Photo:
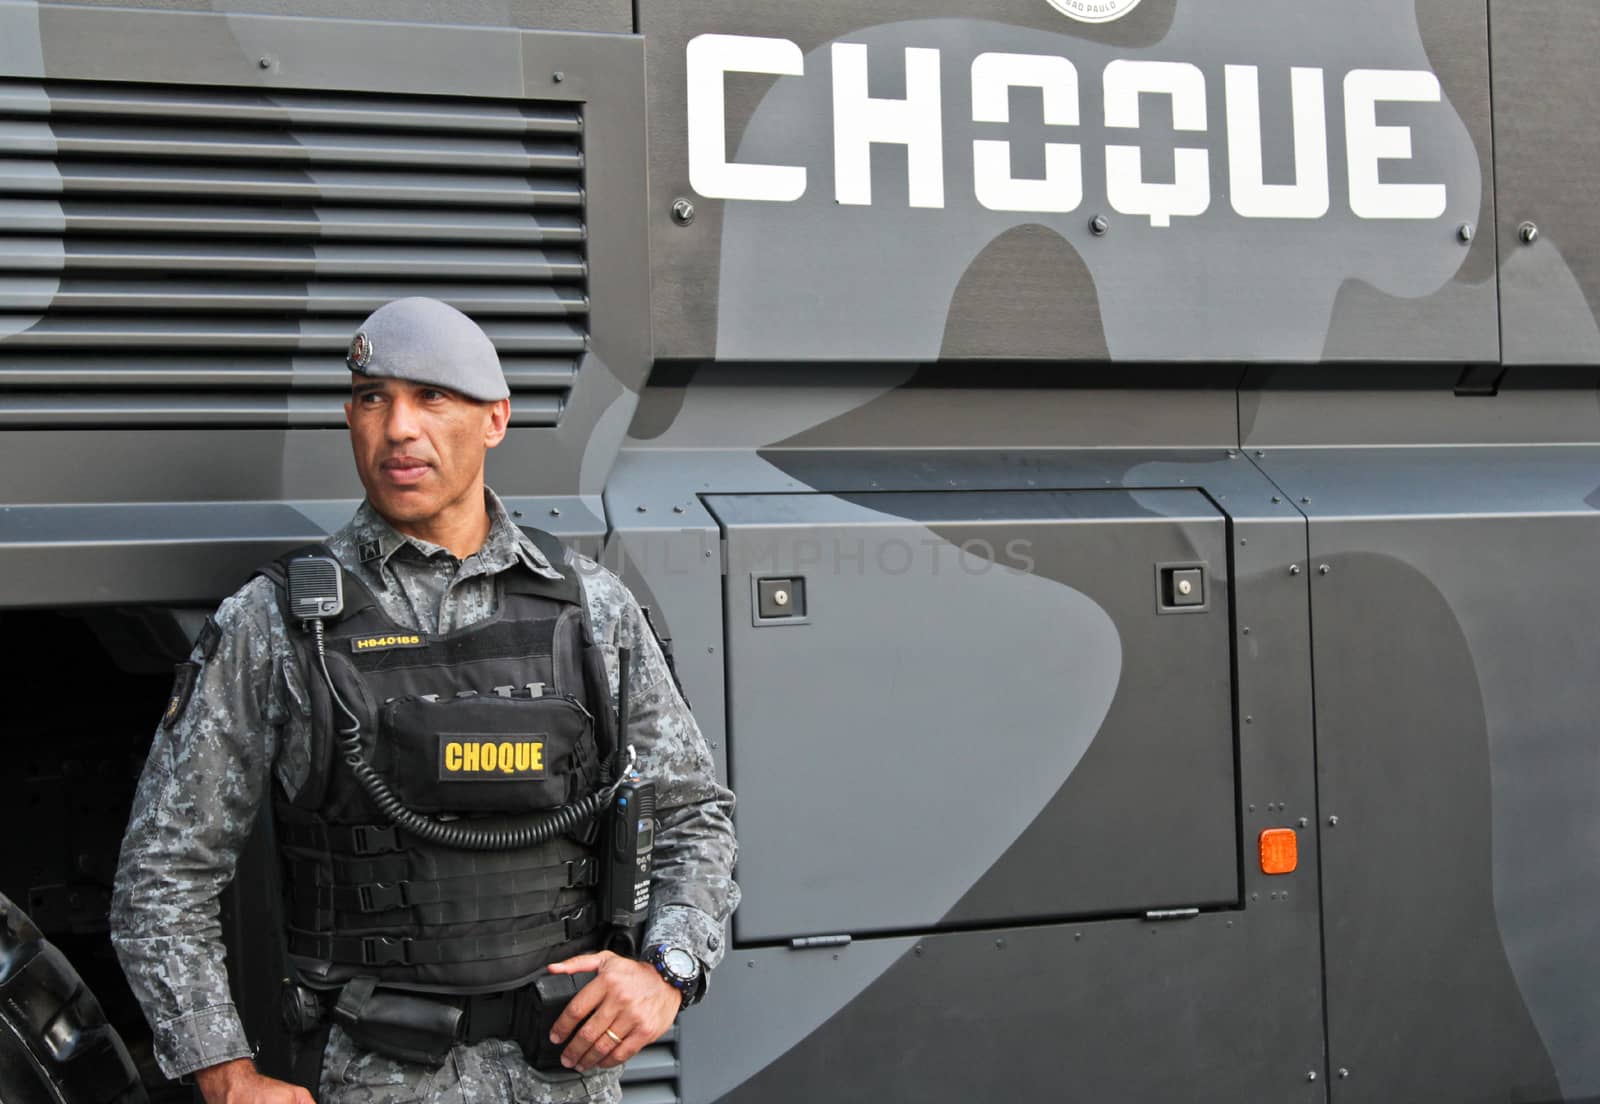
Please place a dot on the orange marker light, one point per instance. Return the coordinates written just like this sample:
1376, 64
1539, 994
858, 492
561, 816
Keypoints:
1280, 851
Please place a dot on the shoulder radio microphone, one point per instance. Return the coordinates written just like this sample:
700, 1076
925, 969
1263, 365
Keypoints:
316, 588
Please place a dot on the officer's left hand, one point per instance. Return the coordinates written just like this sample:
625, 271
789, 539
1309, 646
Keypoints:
628, 998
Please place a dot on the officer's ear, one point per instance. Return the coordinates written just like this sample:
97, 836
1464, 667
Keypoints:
499, 421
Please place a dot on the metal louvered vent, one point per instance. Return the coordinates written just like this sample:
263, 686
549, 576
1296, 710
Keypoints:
651, 1076
201, 256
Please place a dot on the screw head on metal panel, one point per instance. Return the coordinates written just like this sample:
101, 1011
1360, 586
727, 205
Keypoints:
1294, 569
1185, 586
1311, 1075
555, 511
1303, 822
1343, 1072
1333, 822
780, 597
1305, 500
558, 76
1323, 569
682, 212
1464, 233
640, 509
1528, 232
1099, 225
1275, 498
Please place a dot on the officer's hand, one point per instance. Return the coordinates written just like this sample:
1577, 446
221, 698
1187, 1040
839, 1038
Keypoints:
237, 1082
627, 998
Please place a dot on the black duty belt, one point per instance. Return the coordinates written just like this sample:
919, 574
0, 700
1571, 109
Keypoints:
392, 950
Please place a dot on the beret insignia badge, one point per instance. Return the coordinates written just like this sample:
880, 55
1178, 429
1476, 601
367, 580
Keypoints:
360, 352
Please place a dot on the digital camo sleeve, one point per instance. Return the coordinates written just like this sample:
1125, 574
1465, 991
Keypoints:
692, 892
194, 807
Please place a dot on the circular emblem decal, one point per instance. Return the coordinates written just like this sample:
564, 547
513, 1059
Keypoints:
361, 350
1094, 11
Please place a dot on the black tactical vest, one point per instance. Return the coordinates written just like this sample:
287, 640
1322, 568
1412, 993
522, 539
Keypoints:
492, 722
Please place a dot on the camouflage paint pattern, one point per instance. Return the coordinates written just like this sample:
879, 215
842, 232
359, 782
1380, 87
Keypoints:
247, 719
1446, 702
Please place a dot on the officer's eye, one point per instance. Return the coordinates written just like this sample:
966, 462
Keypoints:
431, 394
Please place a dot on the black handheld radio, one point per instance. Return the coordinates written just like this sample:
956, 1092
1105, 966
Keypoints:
630, 836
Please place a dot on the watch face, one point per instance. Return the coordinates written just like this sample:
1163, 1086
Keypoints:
680, 962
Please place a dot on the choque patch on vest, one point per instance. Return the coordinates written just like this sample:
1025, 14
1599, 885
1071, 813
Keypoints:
471, 757
381, 643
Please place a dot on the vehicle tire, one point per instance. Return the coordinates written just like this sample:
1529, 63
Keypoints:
55, 1044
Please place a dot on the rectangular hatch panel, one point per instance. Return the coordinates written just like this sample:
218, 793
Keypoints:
977, 708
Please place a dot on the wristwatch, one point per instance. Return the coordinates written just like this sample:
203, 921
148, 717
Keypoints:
680, 969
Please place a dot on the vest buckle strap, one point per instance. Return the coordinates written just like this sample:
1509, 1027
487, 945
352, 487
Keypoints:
381, 896
374, 839
582, 872
579, 922
384, 950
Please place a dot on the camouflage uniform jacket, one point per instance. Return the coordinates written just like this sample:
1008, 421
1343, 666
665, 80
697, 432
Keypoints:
247, 720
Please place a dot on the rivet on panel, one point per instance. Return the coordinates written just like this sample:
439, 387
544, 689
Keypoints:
682, 212
1323, 569
1294, 569
1333, 822
1099, 225
1528, 232
1464, 233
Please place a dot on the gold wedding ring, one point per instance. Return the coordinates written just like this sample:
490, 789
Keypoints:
615, 1038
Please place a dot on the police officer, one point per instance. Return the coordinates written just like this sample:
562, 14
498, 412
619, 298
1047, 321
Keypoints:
432, 555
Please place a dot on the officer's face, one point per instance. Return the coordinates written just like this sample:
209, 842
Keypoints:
419, 449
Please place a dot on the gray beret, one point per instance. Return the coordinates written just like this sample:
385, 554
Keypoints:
426, 341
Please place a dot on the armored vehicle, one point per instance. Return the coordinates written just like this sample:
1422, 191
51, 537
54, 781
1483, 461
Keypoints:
1119, 479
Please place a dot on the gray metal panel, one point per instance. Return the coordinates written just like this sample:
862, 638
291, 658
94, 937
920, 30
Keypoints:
87, 274
552, 15
973, 692
404, 82
1367, 406
1546, 99
1455, 704
888, 281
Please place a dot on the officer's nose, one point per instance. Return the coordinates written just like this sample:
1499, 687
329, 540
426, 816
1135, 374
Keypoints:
402, 423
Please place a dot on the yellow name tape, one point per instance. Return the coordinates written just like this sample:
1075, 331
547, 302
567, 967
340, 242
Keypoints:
378, 643
465, 760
